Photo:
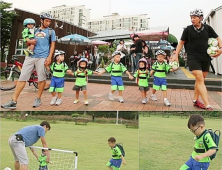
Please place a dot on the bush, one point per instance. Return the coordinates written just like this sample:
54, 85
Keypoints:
75, 115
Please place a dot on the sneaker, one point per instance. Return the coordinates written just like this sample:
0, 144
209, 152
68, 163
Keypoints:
144, 101
58, 102
86, 102
153, 97
10, 105
166, 102
209, 107
26, 53
53, 101
147, 99
199, 104
121, 100
76, 101
111, 96
37, 102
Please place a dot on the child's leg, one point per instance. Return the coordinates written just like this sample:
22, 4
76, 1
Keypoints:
112, 91
85, 94
153, 91
59, 95
120, 93
143, 94
164, 94
53, 94
77, 94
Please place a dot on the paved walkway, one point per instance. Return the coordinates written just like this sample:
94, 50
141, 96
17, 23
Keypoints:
98, 100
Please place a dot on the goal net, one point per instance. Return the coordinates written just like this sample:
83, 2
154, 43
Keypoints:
59, 159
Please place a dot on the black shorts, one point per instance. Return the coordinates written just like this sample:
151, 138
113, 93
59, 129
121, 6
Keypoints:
199, 65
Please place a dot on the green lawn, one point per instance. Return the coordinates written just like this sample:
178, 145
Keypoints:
90, 141
167, 143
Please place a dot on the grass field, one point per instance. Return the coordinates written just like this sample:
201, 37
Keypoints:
90, 141
167, 143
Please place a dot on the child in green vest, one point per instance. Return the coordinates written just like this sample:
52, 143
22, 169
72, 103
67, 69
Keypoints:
141, 76
116, 70
117, 157
58, 69
82, 74
160, 68
43, 165
200, 158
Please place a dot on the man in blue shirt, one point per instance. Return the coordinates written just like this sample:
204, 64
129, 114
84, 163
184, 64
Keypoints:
26, 137
45, 45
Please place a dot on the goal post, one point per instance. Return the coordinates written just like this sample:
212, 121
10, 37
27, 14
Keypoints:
59, 159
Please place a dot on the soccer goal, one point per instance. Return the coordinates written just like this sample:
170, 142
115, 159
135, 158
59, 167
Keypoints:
59, 159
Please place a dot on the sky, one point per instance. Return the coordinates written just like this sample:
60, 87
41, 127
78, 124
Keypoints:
172, 13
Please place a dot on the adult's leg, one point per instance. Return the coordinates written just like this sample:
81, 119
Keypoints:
19, 87
200, 88
17, 165
196, 93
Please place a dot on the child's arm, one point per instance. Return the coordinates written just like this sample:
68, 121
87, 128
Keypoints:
100, 73
128, 73
206, 154
151, 73
123, 160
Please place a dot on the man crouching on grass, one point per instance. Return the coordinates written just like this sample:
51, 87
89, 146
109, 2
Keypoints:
26, 137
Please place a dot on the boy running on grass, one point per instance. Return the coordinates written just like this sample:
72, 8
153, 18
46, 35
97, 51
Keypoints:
200, 158
117, 157
116, 70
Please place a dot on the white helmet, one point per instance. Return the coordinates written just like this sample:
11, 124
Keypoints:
160, 52
197, 12
58, 52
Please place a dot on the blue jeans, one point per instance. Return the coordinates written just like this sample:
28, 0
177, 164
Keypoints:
132, 62
138, 57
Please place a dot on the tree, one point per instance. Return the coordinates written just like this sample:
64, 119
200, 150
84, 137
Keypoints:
6, 25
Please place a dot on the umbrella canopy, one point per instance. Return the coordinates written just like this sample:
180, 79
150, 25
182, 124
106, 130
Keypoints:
163, 42
151, 35
172, 39
74, 39
167, 48
99, 42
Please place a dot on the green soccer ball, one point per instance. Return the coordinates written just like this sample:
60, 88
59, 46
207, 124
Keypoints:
212, 42
212, 50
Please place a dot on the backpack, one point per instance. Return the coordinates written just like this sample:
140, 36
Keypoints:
54, 66
120, 146
86, 74
50, 34
216, 139
189, 27
164, 65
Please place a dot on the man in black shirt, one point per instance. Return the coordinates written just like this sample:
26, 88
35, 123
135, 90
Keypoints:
195, 40
138, 50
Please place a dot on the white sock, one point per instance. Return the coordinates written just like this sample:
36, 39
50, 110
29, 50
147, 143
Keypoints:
208, 106
165, 99
152, 94
194, 101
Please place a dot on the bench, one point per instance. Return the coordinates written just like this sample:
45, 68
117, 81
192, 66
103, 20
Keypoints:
133, 124
79, 121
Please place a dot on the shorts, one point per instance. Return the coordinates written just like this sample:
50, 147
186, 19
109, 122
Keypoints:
199, 65
117, 83
18, 150
29, 65
192, 164
57, 84
43, 167
115, 163
78, 88
159, 83
141, 88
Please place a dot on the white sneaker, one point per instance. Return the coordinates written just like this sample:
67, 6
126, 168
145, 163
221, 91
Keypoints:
153, 97
111, 96
166, 102
144, 101
53, 101
121, 100
86, 102
76, 101
58, 102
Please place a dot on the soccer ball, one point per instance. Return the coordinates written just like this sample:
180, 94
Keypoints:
212, 42
174, 65
7, 168
211, 50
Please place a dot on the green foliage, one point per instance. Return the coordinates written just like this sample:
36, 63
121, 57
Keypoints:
6, 25
102, 63
75, 115
181, 61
